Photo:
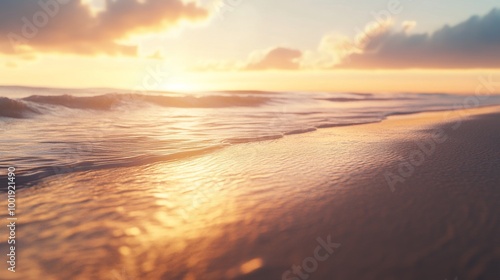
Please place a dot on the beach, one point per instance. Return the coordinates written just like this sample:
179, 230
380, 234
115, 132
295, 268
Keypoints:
411, 197
249, 140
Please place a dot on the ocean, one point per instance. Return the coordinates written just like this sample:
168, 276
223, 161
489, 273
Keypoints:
57, 131
246, 185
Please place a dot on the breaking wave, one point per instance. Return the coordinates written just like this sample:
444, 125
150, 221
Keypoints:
12, 108
25, 107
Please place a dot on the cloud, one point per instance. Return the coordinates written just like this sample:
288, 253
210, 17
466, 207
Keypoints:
70, 26
335, 48
278, 58
474, 43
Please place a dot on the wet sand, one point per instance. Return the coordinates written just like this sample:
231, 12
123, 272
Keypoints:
413, 197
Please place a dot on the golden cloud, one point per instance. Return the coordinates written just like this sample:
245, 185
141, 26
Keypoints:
70, 26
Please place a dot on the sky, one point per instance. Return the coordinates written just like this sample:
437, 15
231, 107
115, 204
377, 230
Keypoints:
291, 45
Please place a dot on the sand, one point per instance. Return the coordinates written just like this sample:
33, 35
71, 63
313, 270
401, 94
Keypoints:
413, 197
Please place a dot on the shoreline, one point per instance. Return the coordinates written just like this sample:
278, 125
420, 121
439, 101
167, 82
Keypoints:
255, 210
37, 176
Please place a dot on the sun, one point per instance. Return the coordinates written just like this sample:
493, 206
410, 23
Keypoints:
178, 86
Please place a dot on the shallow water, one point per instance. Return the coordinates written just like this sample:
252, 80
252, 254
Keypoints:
214, 216
253, 210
